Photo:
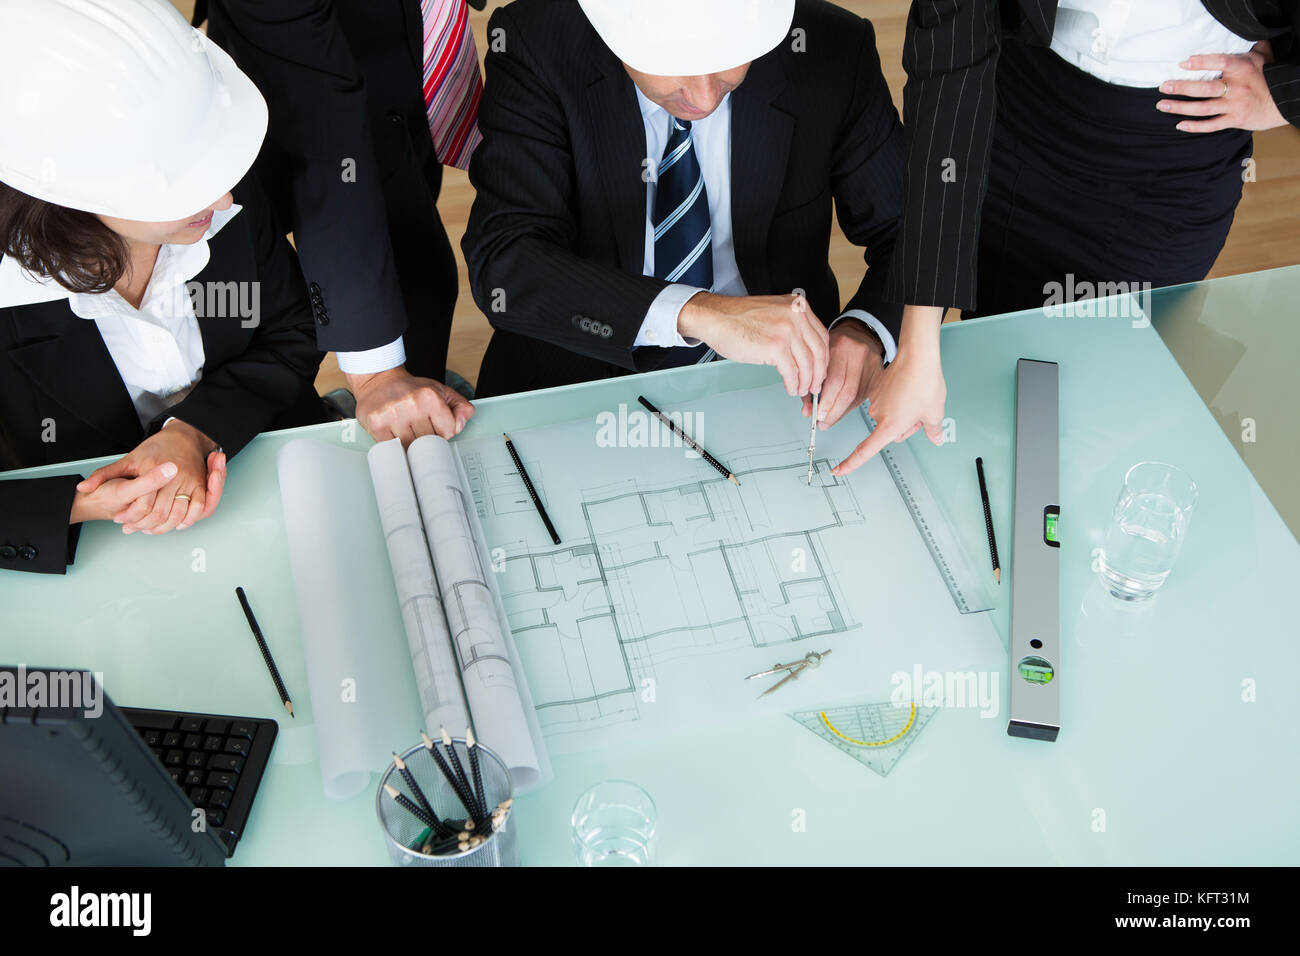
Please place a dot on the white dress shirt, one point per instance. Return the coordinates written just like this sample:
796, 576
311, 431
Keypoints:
369, 361
1140, 42
711, 141
157, 348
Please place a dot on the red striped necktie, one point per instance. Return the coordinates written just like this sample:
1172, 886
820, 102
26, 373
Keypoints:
452, 84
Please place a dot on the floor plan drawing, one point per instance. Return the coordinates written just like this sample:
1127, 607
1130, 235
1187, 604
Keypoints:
664, 573
671, 583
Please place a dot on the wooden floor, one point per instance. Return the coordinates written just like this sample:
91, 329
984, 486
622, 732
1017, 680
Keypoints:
1265, 234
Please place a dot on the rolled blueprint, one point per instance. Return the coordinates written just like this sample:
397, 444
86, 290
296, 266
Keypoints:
495, 690
437, 674
363, 703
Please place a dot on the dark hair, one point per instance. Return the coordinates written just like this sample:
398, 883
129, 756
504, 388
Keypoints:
72, 247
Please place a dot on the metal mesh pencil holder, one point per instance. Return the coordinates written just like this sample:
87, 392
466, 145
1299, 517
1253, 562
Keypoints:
405, 834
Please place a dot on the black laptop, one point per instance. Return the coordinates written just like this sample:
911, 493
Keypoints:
86, 783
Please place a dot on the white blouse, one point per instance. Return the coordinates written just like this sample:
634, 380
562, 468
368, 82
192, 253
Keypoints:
157, 348
1140, 42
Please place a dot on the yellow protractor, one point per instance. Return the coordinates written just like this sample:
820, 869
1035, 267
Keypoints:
911, 718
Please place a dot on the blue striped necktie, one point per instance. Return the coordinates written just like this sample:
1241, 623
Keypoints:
683, 231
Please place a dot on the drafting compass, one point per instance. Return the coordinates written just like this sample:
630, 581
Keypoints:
795, 668
812, 439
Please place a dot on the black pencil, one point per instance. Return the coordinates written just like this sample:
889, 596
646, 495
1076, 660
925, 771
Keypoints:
690, 442
473, 807
988, 520
266, 651
532, 492
420, 798
467, 799
472, 746
403, 801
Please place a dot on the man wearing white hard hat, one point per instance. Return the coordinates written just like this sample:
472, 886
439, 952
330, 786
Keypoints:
656, 181
143, 311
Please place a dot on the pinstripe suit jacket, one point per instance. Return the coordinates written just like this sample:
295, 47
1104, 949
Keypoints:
949, 107
556, 238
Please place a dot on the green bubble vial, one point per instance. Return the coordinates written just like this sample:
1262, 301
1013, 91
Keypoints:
1036, 670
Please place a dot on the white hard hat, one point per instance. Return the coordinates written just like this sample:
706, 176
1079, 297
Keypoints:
689, 37
120, 107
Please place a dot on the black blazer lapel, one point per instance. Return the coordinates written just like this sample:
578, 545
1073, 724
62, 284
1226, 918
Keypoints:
618, 136
414, 32
1253, 19
66, 359
1039, 19
761, 134
226, 282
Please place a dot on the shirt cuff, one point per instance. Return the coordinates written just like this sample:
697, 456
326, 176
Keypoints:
874, 324
170, 419
660, 324
370, 361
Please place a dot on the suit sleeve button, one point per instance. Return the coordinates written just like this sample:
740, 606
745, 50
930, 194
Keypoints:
27, 552
8, 552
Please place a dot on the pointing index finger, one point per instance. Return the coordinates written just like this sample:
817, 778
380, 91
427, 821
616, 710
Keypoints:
863, 453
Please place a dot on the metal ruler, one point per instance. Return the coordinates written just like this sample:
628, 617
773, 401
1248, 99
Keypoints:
968, 589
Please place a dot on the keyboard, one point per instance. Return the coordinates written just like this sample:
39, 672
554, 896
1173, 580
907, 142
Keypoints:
217, 761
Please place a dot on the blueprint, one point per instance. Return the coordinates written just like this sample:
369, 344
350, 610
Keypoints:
433, 660
442, 596
351, 633
497, 693
671, 583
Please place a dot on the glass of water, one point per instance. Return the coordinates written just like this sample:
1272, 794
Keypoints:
614, 824
1151, 518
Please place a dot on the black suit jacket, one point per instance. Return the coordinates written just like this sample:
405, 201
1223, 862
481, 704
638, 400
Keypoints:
342, 81
950, 105
54, 367
556, 237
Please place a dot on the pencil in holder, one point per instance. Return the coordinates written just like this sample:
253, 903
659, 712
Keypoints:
412, 840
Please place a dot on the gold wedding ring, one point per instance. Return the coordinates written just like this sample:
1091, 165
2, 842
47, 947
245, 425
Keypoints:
181, 498
1225, 87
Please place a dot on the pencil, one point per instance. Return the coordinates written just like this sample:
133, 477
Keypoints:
532, 492
690, 442
403, 801
466, 799
472, 746
455, 763
418, 793
988, 520
266, 651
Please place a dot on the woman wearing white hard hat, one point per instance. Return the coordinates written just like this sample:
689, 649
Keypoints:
142, 311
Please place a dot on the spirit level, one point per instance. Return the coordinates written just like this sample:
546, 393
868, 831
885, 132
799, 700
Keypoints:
1035, 703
